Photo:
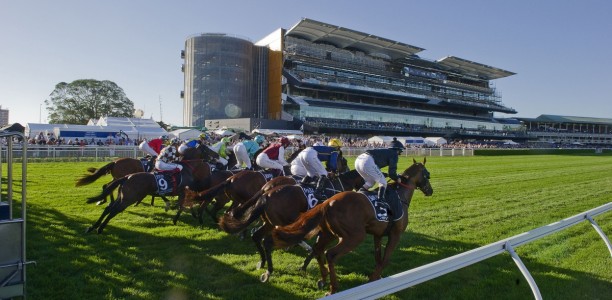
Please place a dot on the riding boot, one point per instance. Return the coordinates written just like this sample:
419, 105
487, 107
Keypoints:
320, 186
381, 193
152, 163
305, 180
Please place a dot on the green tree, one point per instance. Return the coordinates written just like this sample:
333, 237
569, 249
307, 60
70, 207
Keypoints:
84, 99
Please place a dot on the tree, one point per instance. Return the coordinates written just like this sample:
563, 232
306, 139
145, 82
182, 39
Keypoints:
84, 99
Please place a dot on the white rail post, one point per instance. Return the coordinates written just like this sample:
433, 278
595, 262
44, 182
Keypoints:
523, 268
601, 233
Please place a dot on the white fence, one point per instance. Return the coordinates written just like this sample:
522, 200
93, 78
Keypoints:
397, 282
110, 152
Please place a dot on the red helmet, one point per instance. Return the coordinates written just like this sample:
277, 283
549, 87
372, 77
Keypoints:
284, 141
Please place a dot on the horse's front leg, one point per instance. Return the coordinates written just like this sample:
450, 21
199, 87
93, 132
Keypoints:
99, 221
257, 237
181, 197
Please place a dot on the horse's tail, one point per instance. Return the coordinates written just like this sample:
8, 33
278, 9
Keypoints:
96, 173
231, 224
108, 190
206, 196
305, 227
240, 209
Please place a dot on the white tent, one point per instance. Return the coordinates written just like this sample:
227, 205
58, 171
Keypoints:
186, 133
383, 140
224, 132
278, 131
510, 142
435, 141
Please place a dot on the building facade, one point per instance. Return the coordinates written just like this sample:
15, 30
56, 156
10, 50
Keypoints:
329, 79
4, 116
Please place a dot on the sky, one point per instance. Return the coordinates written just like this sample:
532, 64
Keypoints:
560, 50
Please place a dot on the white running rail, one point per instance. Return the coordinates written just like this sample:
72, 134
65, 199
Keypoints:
397, 282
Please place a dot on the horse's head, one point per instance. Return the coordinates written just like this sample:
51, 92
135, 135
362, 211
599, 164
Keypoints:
206, 153
342, 164
418, 176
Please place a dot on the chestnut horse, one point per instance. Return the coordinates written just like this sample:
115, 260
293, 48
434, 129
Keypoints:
134, 187
239, 188
349, 217
280, 206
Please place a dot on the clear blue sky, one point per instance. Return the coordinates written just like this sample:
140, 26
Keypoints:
560, 50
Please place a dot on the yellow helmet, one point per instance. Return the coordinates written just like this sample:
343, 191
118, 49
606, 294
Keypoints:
336, 143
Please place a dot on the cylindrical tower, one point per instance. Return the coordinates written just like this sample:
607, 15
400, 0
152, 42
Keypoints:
218, 78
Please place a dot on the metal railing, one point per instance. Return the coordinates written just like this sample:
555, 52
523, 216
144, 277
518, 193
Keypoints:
397, 282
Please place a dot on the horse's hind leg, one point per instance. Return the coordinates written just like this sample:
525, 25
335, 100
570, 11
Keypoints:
392, 242
257, 237
116, 208
318, 251
97, 223
347, 244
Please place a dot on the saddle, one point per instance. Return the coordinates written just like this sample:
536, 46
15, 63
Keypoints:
391, 206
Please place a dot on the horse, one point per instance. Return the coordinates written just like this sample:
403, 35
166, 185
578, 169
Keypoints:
125, 166
349, 217
281, 206
240, 187
134, 187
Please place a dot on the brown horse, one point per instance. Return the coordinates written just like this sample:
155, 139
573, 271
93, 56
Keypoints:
239, 188
134, 187
125, 166
280, 206
349, 217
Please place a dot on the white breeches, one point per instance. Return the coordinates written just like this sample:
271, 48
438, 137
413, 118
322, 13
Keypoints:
265, 162
242, 157
147, 149
365, 166
164, 166
297, 168
311, 162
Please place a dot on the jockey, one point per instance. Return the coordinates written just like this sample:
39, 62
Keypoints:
192, 143
369, 163
245, 151
273, 157
153, 147
166, 160
221, 149
312, 158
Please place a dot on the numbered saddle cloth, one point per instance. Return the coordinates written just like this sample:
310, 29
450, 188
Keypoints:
167, 181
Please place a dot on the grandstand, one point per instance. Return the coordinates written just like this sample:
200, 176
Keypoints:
570, 130
339, 80
323, 78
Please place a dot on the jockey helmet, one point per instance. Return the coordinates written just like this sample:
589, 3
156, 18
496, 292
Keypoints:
202, 136
164, 137
226, 140
259, 139
175, 141
284, 141
397, 145
336, 143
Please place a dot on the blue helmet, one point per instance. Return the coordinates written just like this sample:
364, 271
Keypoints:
259, 139
397, 145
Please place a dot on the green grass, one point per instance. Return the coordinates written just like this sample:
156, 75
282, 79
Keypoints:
476, 201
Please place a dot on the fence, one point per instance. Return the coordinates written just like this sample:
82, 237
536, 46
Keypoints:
101, 153
397, 282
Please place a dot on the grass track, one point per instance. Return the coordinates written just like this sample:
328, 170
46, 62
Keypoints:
476, 201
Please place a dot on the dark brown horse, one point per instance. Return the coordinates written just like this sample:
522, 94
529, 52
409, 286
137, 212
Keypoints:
134, 187
349, 217
280, 206
239, 187
125, 166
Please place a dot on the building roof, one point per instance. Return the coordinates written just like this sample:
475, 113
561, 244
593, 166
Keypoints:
315, 31
479, 70
571, 119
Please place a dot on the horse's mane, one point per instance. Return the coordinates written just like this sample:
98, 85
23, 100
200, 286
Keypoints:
350, 175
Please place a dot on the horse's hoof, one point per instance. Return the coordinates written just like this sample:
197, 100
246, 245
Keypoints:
100, 202
321, 284
264, 277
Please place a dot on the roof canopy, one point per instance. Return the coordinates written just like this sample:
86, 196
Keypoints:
315, 31
465, 66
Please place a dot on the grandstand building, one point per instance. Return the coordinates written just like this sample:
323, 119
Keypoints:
568, 130
323, 78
